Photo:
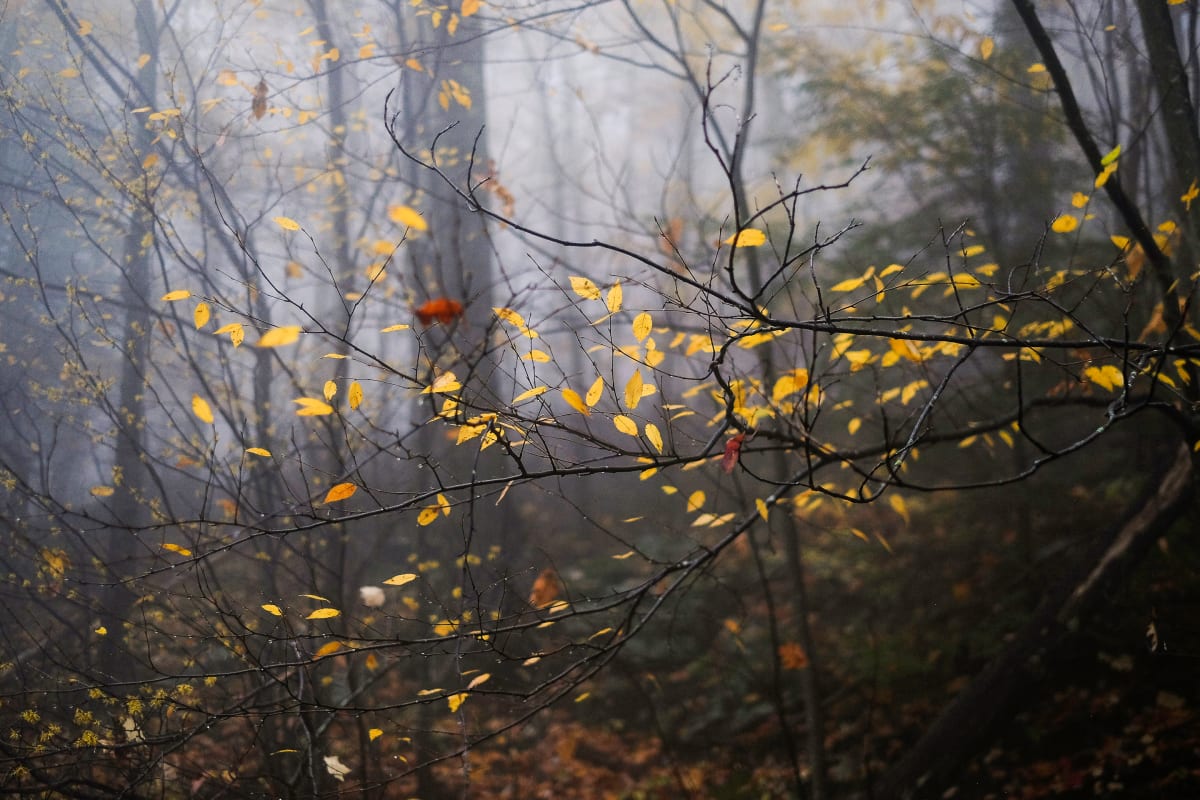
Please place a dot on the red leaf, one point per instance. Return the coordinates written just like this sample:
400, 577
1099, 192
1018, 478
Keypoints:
733, 449
442, 309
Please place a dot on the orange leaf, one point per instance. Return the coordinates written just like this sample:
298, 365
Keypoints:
792, 656
442, 309
340, 492
328, 649
546, 589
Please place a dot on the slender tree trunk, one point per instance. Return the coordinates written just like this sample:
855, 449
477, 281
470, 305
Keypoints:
130, 476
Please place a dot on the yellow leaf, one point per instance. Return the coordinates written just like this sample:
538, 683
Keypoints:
329, 390
761, 506
585, 288
1065, 223
287, 223
529, 393
905, 348
408, 217
328, 649
1105, 174
446, 382
615, 296
69, 72
324, 613
594, 392
367, 50
200, 409
277, 337
413, 64
271, 608
1079, 199
625, 425
102, 631
178, 294
575, 401
393, 328
355, 395
1111, 156
539, 356
312, 407
854, 425
750, 237
85, 27
695, 500
1036, 68
102, 491
479, 680
470, 7
456, 700
789, 384
898, 505
259, 451
1108, 376
427, 515
987, 47
374, 733
511, 317
201, 315
400, 580
643, 323
237, 334
633, 390
848, 285
174, 548
340, 492
653, 436
973, 250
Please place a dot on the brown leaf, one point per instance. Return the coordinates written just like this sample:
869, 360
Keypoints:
258, 106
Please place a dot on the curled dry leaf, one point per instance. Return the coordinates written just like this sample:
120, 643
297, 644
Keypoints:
258, 106
336, 768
